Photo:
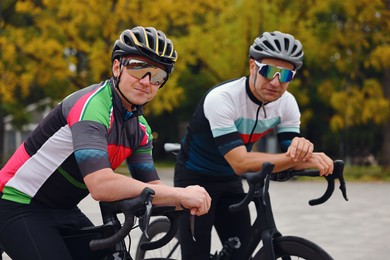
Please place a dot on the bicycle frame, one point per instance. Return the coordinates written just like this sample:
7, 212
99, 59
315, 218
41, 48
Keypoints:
264, 228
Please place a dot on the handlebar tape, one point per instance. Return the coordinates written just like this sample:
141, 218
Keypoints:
108, 242
338, 173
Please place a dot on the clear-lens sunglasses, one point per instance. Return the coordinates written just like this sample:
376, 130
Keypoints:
140, 69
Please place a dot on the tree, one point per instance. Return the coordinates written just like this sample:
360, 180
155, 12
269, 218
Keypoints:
51, 48
355, 35
56, 47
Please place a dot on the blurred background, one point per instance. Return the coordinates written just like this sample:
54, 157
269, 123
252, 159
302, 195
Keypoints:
50, 48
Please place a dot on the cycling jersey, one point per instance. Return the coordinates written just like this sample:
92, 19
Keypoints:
88, 131
229, 116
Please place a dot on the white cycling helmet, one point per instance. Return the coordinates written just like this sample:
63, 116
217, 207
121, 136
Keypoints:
277, 45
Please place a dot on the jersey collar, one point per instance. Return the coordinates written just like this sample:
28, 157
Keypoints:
250, 94
118, 105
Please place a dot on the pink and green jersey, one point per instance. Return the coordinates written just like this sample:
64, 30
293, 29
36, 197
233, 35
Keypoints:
88, 131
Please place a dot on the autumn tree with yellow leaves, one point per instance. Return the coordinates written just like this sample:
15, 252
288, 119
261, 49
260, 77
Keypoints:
50, 48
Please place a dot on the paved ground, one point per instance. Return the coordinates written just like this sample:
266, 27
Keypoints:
355, 230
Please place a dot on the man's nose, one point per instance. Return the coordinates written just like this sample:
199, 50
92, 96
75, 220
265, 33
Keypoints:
275, 81
145, 79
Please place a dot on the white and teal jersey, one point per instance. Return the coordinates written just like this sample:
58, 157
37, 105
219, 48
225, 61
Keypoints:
230, 116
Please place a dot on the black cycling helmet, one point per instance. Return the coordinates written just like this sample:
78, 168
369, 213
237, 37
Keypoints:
147, 42
277, 45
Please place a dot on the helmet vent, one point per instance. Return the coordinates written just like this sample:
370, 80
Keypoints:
277, 45
286, 44
127, 40
161, 45
269, 46
151, 42
294, 49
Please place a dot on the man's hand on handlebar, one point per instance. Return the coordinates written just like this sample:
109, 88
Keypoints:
196, 199
319, 161
300, 149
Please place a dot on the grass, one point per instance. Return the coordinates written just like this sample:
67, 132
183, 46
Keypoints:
366, 173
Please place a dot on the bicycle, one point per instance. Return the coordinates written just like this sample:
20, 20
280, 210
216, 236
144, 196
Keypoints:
263, 229
107, 241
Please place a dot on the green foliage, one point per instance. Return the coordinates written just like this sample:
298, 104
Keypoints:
366, 173
359, 105
61, 46
54, 47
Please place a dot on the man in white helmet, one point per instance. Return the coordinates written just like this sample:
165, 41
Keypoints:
228, 121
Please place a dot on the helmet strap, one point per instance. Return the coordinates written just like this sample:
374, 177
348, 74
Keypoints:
255, 78
116, 84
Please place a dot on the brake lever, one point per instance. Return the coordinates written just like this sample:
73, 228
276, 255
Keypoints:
265, 189
343, 187
144, 221
192, 224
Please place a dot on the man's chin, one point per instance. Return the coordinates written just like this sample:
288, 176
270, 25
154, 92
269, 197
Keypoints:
141, 102
271, 98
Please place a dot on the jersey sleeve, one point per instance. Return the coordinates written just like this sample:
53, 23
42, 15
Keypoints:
219, 111
89, 118
285, 140
90, 146
141, 164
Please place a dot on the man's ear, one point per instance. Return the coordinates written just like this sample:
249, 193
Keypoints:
116, 68
252, 67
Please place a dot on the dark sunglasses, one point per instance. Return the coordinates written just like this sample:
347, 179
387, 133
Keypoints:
140, 69
269, 72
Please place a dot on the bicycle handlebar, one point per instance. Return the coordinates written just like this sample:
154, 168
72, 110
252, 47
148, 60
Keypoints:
255, 182
130, 208
173, 217
259, 182
338, 173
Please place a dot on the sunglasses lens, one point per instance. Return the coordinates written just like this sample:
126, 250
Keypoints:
269, 72
139, 69
286, 75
